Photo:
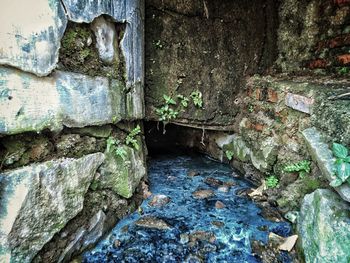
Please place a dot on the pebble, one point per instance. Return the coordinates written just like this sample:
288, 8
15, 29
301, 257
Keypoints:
218, 224
202, 194
213, 182
192, 173
152, 222
219, 205
159, 200
117, 243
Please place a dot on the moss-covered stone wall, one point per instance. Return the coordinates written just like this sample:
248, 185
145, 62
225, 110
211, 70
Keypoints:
206, 46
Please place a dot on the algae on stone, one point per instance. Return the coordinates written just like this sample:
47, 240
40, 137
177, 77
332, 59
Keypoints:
324, 227
64, 99
122, 175
39, 200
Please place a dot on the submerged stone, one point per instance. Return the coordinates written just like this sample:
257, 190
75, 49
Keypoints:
30, 35
38, 201
29, 103
324, 227
203, 194
159, 200
152, 222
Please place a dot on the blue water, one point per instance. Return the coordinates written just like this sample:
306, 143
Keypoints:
186, 215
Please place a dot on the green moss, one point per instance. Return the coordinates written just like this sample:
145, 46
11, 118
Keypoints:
79, 54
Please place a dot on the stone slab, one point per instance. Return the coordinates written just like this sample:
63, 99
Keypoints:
30, 34
324, 158
30, 103
299, 103
38, 201
324, 227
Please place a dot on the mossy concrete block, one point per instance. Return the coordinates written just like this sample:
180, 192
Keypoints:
122, 175
38, 201
130, 12
324, 158
30, 36
324, 227
30, 103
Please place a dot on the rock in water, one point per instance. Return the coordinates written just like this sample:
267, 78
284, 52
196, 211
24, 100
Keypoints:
192, 173
37, 201
219, 205
152, 222
159, 200
213, 182
202, 194
324, 227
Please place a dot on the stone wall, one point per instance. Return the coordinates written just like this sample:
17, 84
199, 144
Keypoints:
72, 153
206, 46
314, 36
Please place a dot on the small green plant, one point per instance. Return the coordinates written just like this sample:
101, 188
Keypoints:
166, 113
197, 98
251, 108
169, 100
344, 70
271, 181
158, 44
130, 139
113, 146
183, 100
302, 167
342, 165
84, 54
229, 155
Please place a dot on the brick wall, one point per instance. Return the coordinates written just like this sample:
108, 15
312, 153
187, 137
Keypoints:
332, 52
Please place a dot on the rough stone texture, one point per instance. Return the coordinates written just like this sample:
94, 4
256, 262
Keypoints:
208, 46
38, 201
262, 158
332, 117
29, 103
106, 39
153, 223
297, 33
324, 227
85, 236
30, 35
131, 12
122, 175
20, 150
324, 158
73, 238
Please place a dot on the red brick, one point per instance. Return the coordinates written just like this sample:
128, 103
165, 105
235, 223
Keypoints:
259, 127
317, 63
339, 41
344, 59
272, 96
341, 2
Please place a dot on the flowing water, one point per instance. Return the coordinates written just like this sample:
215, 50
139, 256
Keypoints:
191, 230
